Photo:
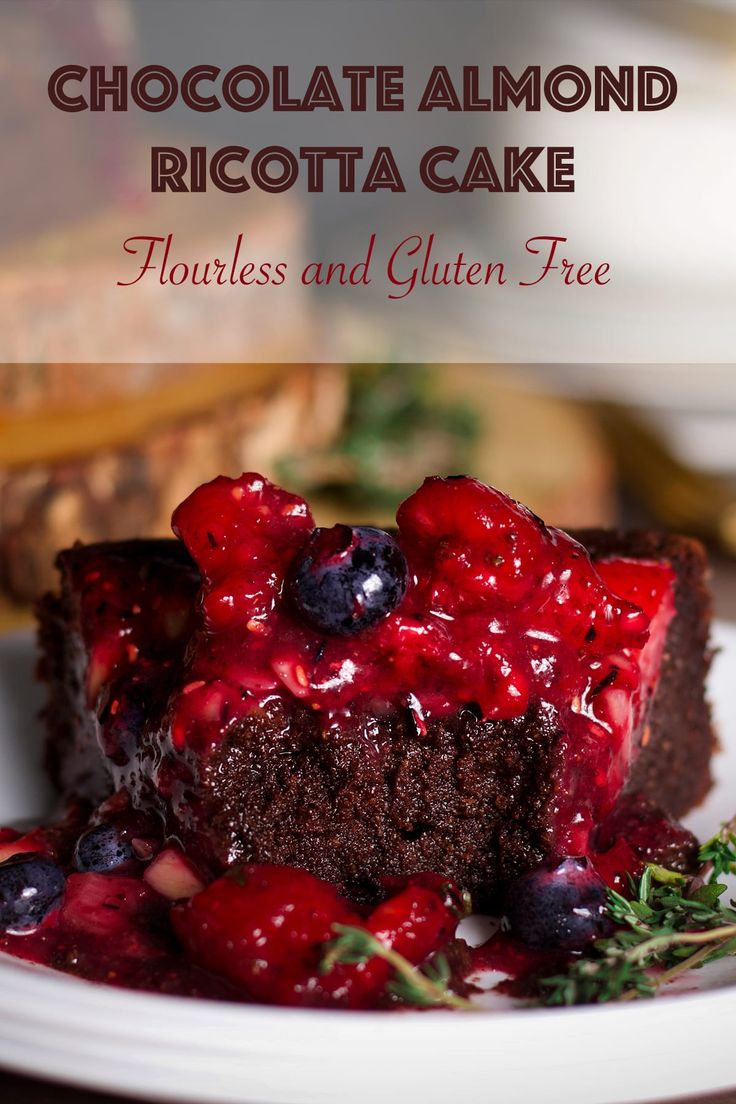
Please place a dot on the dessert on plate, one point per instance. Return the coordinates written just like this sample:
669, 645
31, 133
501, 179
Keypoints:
464, 696
375, 722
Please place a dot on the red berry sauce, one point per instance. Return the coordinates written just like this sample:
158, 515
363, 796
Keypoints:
650, 835
501, 612
258, 934
135, 617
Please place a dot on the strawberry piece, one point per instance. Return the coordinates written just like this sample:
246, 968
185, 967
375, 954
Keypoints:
265, 928
260, 922
110, 908
416, 921
420, 917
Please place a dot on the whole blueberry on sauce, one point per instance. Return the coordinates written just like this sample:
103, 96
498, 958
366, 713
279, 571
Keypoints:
348, 577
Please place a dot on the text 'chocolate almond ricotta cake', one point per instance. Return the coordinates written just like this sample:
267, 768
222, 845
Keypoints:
467, 693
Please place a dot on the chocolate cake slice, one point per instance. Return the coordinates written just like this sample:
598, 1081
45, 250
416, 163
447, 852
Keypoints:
112, 643
466, 696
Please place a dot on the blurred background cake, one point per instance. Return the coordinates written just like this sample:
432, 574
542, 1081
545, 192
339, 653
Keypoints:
106, 452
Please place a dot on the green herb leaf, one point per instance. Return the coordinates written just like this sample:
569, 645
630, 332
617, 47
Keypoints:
708, 894
719, 852
672, 923
426, 988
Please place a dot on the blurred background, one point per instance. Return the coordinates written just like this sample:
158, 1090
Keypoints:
614, 410
106, 452
653, 198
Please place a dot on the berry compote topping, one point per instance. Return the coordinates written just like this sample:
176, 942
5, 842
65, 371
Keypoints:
473, 602
259, 933
651, 835
136, 619
558, 906
31, 886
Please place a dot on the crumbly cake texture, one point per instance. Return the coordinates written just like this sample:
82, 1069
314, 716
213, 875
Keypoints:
376, 795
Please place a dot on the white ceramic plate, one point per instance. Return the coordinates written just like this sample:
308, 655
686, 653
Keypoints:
191, 1050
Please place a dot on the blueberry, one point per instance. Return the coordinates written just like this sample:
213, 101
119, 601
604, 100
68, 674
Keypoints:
559, 906
347, 578
30, 887
122, 730
101, 849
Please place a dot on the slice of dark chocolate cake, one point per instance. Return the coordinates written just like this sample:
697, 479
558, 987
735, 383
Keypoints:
112, 643
466, 695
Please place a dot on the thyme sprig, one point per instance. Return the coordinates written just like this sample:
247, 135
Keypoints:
426, 987
673, 924
717, 856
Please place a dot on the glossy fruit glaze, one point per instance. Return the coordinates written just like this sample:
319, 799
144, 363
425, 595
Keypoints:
488, 607
544, 910
136, 616
500, 612
259, 933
